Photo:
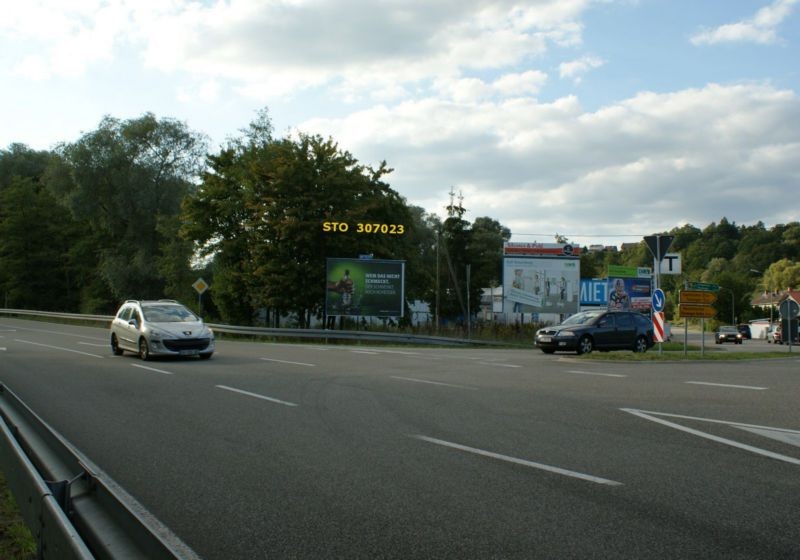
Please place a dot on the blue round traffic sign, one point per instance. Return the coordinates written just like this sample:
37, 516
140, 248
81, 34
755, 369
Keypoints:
658, 300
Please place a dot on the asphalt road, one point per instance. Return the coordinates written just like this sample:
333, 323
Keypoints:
307, 451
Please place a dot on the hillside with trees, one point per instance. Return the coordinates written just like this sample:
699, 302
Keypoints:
140, 208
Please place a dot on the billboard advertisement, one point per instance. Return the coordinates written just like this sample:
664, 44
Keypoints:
594, 292
541, 285
626, 294
364, 288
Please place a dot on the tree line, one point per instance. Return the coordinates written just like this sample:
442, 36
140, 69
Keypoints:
140, 208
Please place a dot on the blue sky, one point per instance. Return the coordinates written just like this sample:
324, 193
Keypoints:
592, 118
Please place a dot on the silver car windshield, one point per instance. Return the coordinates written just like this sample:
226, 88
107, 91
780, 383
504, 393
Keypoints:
168, 314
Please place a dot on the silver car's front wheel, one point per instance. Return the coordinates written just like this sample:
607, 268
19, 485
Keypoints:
144, 350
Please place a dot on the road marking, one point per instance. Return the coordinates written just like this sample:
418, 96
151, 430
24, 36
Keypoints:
595, 373
791, 437
285, 362
725, 385
153, 369
57, 348
499, 365
2, 349
256, 395
93, 344
526, 463
433, 382
651, 416
363, 352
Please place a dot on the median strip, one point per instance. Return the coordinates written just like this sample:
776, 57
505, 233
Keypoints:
255, 395
523, 462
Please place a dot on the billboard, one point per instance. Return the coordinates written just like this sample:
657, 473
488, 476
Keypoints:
364, 287
541, 285
594, 292
626, 294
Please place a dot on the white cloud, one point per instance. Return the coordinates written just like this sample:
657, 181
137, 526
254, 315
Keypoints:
268, 48
646, 163
577, 68
761, 28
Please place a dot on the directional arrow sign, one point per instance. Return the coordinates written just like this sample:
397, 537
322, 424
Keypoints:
658, 300
697, 296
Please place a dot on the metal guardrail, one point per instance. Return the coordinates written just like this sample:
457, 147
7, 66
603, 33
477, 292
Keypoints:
321, 334
74, 510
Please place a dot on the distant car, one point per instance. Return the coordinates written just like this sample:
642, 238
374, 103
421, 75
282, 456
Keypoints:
601, 330
160, 328
745, 330
728, 334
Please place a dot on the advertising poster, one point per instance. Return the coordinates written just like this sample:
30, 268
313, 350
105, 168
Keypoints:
541, 285
364, 288
629, 294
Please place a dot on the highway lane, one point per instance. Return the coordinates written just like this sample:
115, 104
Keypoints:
306, 451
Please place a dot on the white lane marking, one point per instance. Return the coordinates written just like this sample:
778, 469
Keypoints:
786, 436
256, 395
153, 369
726, 385
2, 349
724, 441
74, 335
93, 344
595, 373
499, 365
433, 382
285, 362
540, 466
712, 421
58, 348
363, 352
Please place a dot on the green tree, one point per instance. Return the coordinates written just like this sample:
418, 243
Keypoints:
260, 213
127, 180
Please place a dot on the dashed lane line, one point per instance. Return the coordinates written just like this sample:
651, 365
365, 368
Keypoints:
58, 348
152, 369
287, 362
752, 388
523, 462
579, 372
412, 379
499, 365
255, 395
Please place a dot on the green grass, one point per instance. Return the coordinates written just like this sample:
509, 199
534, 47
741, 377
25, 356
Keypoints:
16, 540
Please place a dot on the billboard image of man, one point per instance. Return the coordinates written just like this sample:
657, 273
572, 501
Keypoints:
619, 300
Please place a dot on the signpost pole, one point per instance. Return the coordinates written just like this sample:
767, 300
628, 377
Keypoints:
702, 337
685, 337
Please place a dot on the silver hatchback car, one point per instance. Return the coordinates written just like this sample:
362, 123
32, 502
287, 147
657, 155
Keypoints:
160, 328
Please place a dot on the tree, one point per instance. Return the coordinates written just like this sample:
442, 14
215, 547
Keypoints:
260, 213
127, 180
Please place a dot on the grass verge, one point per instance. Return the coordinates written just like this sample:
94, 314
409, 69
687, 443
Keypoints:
16, 540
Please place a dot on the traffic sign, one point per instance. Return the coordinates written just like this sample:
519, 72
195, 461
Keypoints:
658, 300
696, 311
658, 244
789, 309
658, 326
697, 297
200, 286
704, 286
670, 264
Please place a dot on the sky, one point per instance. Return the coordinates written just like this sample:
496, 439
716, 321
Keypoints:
600, 120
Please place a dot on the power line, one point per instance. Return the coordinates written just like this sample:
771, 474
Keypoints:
582, 234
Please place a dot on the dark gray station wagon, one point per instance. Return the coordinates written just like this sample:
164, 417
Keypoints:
598, 330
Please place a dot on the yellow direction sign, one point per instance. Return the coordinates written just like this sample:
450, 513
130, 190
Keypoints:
697, 296
697, 311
